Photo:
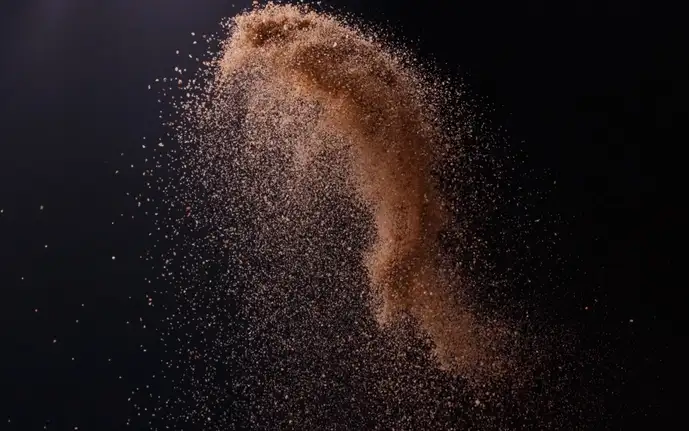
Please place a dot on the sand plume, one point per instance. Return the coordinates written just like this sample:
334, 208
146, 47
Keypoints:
307, 84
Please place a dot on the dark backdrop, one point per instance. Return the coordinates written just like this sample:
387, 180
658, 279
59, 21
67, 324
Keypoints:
583, 87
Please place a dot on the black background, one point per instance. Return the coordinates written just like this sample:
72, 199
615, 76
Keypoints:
583, 86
